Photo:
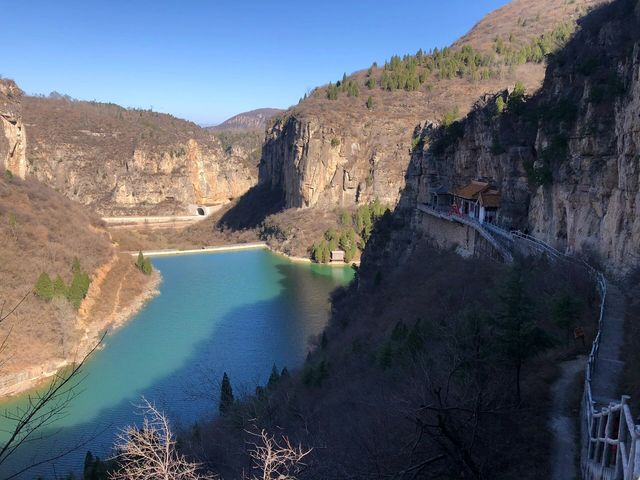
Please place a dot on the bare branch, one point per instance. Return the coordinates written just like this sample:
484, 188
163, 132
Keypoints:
276, 460
149, 453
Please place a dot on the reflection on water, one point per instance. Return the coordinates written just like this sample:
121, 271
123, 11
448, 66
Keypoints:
238, 312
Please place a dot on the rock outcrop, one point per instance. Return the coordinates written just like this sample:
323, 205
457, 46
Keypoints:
343, 151
567, 160
12, 138
316, 164
124, 162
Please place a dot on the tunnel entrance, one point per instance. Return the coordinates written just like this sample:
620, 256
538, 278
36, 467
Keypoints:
200, 211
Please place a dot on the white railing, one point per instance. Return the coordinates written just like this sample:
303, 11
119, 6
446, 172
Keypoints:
610, 450
471, 222
610, 446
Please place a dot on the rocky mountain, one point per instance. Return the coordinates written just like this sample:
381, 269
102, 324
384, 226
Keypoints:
350, 142
566, 160
122, 162
252, 120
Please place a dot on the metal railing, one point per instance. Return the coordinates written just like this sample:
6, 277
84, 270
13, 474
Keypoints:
609, 437
471, 222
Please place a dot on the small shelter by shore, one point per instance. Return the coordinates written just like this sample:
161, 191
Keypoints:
337, 255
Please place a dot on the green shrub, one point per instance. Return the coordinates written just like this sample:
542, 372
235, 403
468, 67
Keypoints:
352, 89
78, 289
348, 244
450, 117
320, 252
516, 97
43, 287
500, 105
59, 287
144, 264
8, 175
346, 220
335, 142
370, 103
332, 92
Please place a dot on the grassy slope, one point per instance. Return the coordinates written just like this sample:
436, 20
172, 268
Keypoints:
49, 231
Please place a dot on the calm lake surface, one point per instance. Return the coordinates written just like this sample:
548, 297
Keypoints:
238, 312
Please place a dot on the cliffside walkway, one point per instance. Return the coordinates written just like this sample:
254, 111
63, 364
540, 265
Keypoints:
609, 437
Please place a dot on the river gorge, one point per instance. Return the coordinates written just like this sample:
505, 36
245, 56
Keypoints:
235, 312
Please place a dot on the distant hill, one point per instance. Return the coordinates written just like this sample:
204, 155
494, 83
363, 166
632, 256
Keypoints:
255, 119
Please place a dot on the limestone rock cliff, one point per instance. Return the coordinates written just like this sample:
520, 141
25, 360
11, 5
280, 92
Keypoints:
567, 160
12, 133
342, 151
124, 162
328, 165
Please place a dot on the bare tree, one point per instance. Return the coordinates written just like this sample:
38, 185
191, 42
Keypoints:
276, 460
149, 452
43, 408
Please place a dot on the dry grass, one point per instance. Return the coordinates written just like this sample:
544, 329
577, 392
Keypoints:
40, 230
525, 19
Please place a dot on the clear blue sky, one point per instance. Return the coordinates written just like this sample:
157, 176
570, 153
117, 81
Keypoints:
206, 60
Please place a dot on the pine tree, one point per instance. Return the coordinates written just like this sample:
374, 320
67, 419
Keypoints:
370, 103
517, 335
147, 268
566, 311
322, 374
144, 264
59, 288
371, 83
348, 244
44, 287
500, 105
332, 92
78, 289
274, 378
226, 395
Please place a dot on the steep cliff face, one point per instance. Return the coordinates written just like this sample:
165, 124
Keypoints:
592, 202
567, 160
350, 149
319, 164
12, 133
122, 162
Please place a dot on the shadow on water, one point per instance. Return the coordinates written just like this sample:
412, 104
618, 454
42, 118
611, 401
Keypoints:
246, 341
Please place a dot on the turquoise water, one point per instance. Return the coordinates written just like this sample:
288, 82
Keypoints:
238, 312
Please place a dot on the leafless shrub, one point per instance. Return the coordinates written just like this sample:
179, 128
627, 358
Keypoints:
149, 453
276, 460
